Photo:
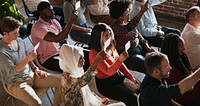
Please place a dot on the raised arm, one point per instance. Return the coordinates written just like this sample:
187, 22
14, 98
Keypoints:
188, 82
64, 33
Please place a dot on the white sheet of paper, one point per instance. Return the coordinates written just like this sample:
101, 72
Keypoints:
127, 46
78, 4
36, 46
106, 44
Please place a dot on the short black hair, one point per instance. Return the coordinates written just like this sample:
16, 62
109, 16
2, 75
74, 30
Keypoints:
118, 7
42, 5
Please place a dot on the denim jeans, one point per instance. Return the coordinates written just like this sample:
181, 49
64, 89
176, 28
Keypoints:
80, 36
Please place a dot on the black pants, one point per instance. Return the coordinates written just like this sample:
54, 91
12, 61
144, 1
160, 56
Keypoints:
53, 64
113, 87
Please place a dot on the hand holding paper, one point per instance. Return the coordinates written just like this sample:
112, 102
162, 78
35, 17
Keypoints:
77, 5
106, 44
127, 46
36, 46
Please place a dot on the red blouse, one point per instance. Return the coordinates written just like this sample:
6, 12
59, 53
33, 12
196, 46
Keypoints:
110, 65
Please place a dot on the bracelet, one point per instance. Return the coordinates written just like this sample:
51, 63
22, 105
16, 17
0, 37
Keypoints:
35, 68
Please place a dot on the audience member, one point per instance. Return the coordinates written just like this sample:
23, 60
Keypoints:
32, 6
173, 47
112, 71
75, 80
48, 32
81, 30
148, 25
99, 11
125, 30
154, 90
191, 36
20, 73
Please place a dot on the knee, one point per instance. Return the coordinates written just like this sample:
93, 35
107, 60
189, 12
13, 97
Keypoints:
35, 102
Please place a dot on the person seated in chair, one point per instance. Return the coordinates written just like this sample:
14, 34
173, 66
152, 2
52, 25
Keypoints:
148, 26
99, 11
21, 75
125, 30
154, 90
111, 71
173, 46
75, 90
81, 30
48, 32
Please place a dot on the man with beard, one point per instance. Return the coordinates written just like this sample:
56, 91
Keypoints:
154, 90
48, 32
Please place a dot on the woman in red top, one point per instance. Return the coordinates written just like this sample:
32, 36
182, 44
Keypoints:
173, 47
112, 71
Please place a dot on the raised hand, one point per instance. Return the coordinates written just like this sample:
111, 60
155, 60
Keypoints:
123, 56
40, 73
74, 16
32, 55
145, 6
101, 56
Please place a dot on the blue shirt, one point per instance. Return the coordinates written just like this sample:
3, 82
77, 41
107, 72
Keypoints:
9, 58
147, 25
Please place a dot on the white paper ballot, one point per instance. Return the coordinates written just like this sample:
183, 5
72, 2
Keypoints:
78, 4
106, 44
36, 46
127, 46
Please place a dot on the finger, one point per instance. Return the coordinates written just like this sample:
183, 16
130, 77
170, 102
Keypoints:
36, 73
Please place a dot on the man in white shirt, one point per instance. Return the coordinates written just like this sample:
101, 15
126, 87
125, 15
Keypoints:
191, 35
148, 25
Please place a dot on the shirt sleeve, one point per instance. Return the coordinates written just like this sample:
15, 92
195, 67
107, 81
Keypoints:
39, 31
194, 37
78, 82
7, 66
156, 2
126, 72
145, 31
133, 23
163, 91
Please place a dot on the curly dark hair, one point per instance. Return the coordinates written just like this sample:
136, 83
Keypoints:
170, 48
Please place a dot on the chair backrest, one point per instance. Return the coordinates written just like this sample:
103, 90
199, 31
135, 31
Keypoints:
28, 12
5, 85
39, 91
39, 64
93, 87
